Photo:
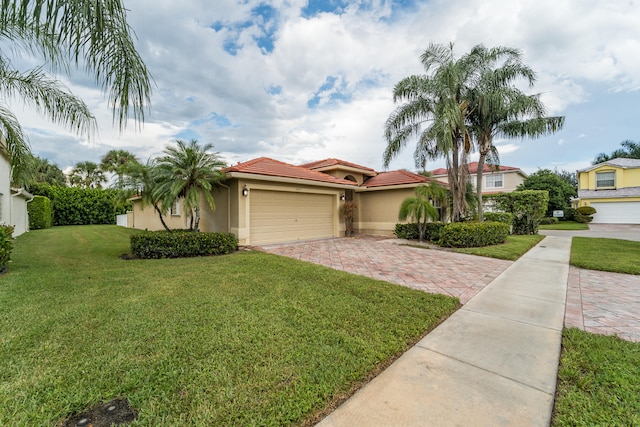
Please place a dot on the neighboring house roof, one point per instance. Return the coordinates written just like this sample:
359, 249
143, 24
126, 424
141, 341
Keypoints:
620, 162
332, 163
398, 177
271, 167
600, 194
473, 169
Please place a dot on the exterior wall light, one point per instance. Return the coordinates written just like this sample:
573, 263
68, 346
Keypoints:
342, 198
245, 191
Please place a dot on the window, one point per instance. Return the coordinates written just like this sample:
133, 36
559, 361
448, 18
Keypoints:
605, 180
175, 208
494, 181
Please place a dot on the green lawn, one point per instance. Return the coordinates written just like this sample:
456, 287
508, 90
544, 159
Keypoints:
598, 381
565, 225
243, 339
512, 249
619, 256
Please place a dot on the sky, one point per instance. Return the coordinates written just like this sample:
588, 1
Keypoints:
304, 80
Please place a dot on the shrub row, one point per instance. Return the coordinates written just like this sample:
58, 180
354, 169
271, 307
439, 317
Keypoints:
181, 243
410, 231
473, 234
40, 213
504, 217
549, 220
6, 245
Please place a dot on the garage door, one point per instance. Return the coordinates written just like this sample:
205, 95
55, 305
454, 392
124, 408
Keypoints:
616, 213
278, 216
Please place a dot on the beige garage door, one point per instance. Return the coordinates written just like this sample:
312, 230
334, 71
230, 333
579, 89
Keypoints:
278, 216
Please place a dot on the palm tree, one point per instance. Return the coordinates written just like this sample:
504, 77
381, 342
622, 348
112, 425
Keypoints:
498, 108
116, 161
141, 178
630, 150
87, 175
92, 34
186, 172
420, 208
435, 109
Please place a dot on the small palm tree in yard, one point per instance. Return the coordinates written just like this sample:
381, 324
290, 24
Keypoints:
420, 208
185, 172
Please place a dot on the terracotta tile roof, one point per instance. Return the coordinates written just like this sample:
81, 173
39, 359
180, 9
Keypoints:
271, 167
334, 162
398, 177
473, 168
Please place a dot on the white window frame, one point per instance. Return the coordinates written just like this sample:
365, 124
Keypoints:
175, 208
490, 180
600, 176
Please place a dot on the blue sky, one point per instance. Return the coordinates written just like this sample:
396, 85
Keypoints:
304, 80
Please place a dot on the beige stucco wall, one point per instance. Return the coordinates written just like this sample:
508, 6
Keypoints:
378, 210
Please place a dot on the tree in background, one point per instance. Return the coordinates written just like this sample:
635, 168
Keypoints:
91, 34
630, 150
499, 108
185, 172
560, 191
141, 179
87, 175
41, 171
117, 162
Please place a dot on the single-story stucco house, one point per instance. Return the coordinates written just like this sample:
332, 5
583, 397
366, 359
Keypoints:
612, 188
13, 201
267, 201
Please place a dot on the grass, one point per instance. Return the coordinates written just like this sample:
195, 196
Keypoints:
598, 381
565, 225
243, 339
513, 249
618, 256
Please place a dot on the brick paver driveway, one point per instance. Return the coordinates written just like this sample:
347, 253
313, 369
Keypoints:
434, 271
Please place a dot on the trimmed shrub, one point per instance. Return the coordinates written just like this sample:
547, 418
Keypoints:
40, 213
569, 215
504, 217
583, 214
473, 234
548, 220
410, 231
407, 231
528, 207
181, 244
6, 246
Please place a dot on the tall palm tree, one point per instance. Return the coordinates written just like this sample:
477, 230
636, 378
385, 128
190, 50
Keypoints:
87, 175
435, 110
116, 161
185, 172
499, 108
61, 34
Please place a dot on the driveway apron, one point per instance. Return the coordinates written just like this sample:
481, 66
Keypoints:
449, 273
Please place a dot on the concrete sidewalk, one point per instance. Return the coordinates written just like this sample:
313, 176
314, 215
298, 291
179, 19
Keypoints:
492, 363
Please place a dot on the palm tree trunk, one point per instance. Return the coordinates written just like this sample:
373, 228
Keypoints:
164, 224
479, 185
196, 225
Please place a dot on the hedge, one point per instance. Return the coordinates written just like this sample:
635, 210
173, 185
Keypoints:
40, 213
473, 234
528, 207
181, 244
6, 246
504, 217
410, 231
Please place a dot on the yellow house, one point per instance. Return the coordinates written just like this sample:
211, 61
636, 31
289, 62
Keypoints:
266, 201
612, 188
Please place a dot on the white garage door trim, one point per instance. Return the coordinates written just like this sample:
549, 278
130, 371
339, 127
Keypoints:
616, 212
283, 216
